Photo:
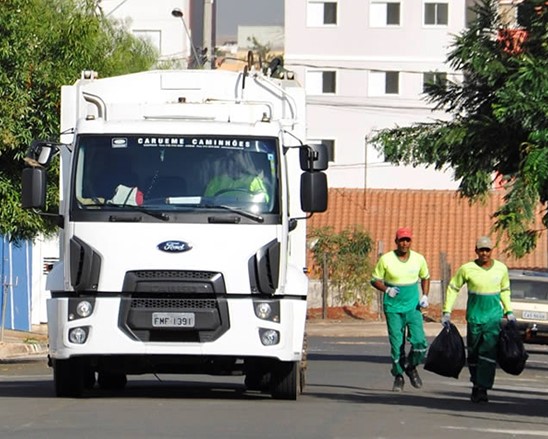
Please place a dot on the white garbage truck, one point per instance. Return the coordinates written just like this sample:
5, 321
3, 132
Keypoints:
183, 204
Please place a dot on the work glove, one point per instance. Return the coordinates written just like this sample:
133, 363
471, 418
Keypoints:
446, 319
511, 318
423, 303
392, 291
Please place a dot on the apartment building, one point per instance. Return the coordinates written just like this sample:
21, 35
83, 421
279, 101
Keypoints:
174, 27
364, 65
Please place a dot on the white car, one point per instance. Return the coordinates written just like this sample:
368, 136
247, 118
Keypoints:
530, 304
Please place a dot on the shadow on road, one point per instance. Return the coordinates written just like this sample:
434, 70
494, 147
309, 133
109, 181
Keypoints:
501, 403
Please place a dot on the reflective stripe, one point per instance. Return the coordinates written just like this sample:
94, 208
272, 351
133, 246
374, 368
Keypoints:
489, 360
476, 293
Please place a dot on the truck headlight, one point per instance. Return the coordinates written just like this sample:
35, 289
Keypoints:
78, 335
80, 307
84, 308
269, 337
263, 310
267, 310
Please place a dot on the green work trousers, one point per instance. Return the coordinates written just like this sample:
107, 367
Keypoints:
481, 340
397, 322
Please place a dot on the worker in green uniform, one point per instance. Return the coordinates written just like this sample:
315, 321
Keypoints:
488, 299
397, 275
236, 177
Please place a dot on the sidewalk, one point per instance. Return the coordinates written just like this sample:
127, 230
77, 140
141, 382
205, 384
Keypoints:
360, 328
20, 346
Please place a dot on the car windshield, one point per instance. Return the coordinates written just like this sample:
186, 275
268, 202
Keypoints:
176, 173
529, 289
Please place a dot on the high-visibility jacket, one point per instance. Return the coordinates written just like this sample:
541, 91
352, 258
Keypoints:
488, 291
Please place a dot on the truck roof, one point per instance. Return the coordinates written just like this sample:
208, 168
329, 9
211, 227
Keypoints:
184, 95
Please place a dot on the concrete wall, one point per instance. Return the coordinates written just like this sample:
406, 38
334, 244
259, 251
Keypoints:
435, 296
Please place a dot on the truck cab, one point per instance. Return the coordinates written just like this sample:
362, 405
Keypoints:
183, 205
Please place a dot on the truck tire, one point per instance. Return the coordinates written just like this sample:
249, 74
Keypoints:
68, 378
111, 381
285, 380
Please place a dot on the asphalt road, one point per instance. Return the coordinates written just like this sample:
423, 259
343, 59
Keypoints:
348, 395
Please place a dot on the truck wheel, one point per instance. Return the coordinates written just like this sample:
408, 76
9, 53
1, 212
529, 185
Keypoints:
68, 378
285, 380
111, 381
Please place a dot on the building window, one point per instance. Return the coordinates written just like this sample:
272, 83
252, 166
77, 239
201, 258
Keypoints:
385, 13
392, 83
384, 83
321, 82
436, 14
433, 78
321, 13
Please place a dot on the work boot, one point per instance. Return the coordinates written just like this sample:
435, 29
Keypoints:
414, 377
479, 394
398, 384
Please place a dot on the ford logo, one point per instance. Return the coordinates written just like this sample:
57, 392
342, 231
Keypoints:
174, 246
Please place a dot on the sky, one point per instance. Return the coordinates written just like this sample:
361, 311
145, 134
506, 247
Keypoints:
231, 13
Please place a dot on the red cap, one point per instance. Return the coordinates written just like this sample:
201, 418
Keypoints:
403, 232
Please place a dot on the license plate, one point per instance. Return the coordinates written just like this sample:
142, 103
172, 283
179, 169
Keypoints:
533, 315
173, 319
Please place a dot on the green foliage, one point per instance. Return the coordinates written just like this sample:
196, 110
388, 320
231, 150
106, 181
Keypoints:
45, 44
263, 51
347, 257
499, 123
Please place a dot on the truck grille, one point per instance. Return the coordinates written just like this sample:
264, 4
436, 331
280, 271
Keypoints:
174, 304
174, 291
175, 274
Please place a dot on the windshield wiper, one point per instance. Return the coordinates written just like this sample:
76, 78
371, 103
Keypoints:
160, 215
244, 213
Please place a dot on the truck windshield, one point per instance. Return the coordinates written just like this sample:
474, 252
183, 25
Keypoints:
179, 173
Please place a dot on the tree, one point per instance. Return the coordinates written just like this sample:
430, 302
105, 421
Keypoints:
346, 255
45, 44
499, 124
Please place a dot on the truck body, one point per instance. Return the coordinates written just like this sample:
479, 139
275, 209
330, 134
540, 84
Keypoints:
161, 270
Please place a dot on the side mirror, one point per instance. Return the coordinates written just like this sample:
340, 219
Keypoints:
313, 192
314, 157
33, 194
40, 153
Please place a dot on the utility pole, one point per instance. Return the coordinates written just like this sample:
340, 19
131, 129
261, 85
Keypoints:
208, 32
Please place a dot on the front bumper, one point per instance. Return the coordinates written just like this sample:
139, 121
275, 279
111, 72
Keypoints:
108, 334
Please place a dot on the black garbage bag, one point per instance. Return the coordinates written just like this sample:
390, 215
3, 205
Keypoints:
511, 354
446, 355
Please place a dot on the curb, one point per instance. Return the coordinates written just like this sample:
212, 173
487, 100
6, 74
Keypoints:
16, 352
361, 329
